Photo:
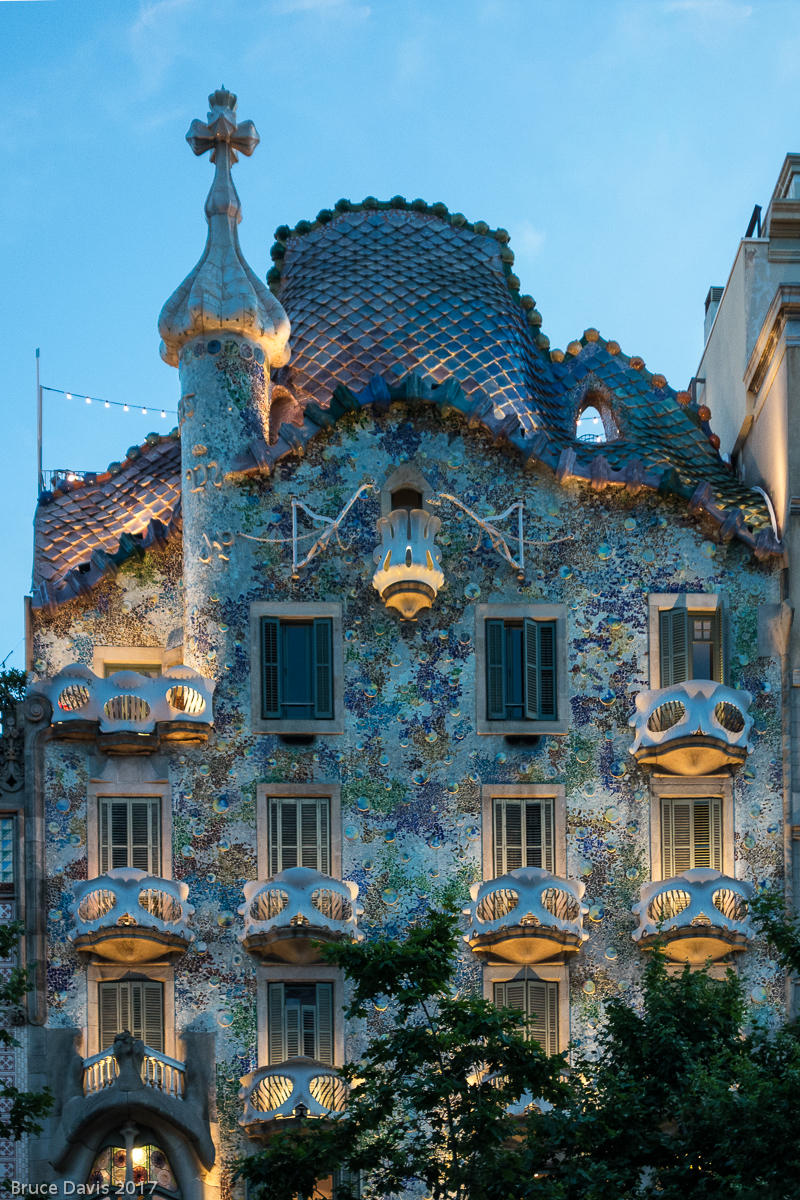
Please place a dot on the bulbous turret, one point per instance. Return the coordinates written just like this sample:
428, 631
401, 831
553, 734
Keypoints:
222, 293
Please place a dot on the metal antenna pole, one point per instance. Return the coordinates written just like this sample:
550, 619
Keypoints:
40, 476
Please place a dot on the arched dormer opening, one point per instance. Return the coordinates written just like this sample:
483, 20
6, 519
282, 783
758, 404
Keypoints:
405, 488
595, 423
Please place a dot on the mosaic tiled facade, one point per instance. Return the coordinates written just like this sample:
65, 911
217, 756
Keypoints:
413, 358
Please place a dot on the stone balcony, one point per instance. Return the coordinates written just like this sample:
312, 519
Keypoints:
699, 915
128, 712
526, 916
692, 728
297, 1089
156, 1070
287, 916
128, 916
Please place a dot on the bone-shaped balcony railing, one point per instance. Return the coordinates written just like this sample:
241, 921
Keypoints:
409, 573
299, 1086
527, 915
130, 907
296, 901
692, 727
157, 1071
699, 914
127, 701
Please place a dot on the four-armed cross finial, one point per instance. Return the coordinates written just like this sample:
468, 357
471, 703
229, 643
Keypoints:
221, 129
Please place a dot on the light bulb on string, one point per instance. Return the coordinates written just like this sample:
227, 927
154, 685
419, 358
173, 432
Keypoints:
125, 408
163, 413
144, 412
68, 395
88, 399
107, 404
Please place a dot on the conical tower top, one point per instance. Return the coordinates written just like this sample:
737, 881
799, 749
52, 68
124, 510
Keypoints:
223, 293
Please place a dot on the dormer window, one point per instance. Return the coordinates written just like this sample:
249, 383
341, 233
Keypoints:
596, 425
406, 497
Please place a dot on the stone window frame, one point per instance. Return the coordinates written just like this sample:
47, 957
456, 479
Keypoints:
518, 612
556, 791
109, 972
130, 656
288, 610
699, 786
546, 973
658, 602
146, 789
289, 973
407, 475
263, 793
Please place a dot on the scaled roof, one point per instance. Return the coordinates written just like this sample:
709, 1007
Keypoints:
391, 299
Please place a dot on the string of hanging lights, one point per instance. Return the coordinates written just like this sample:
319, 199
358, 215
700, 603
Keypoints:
143, 409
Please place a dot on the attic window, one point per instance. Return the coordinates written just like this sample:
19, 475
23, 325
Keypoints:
406, 497
595, 426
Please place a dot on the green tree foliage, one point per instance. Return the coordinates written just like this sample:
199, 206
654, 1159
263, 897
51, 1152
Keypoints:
430, 1098
20, 1112
684, 1096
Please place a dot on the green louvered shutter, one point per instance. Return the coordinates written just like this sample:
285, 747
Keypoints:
275, 1034
547, 669
673, 637
691, 831
495, 671
322, 671
270, 667
531, 668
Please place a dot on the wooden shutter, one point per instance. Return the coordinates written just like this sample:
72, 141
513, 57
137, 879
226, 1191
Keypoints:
547, 669
531, 668
691, 833
130, 833
292, 1022
523, 833
136, 1005
673, 640
495, 671
152, 1002
311, 834
325, 1023
717, 635
270, 667
110, 1022
275, 1031
120, 833
145, 852
299, 833
322, 670
542, 1011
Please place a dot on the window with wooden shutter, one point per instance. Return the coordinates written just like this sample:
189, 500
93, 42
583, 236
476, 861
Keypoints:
130, 833
691, 833
690, 645
136, 1005
523, 833
299, 833
300, 1021
521, 670
537, 999
297, 669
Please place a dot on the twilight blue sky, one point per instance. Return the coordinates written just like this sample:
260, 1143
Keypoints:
622, 143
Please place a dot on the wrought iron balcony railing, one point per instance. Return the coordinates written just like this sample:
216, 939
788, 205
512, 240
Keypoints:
699, 915
297, 1088
526, 916
692, 728
286, 915
178, 702
127, 915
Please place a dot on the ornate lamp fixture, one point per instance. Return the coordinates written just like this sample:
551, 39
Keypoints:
409, 570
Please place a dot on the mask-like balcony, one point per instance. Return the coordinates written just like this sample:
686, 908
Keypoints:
288, 914
693, 728
409, 570
128, 916
526, 916
699, 915
155, 1071
128, 712
297, 1089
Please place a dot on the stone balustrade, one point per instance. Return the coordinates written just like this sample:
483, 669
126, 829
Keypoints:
127, 915
699, 915
286, 915
526, 916
409, 573
299, 1087
692, 728
129, 703
156, 1070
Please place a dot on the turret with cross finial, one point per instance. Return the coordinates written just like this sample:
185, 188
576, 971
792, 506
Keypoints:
224, 330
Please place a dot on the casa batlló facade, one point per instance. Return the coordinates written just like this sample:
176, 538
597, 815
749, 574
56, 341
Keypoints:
410, 610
